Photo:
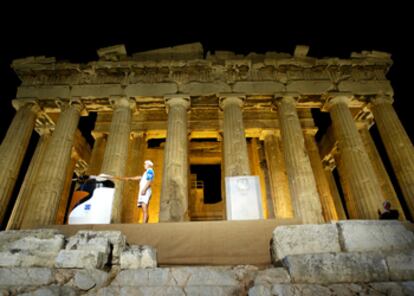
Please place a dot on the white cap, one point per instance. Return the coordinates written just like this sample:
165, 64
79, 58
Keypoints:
149, 162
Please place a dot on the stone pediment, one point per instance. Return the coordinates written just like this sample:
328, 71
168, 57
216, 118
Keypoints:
191, 51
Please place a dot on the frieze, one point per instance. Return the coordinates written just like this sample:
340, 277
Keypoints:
227, 67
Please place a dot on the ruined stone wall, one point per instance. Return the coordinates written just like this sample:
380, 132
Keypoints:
345, 258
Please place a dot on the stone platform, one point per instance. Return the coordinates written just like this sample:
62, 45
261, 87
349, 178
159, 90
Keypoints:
355, 257
199, 243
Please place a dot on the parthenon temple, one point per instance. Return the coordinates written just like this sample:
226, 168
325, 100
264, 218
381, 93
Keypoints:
201, 117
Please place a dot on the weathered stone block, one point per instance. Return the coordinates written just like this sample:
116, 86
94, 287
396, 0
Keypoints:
52, 291
81, 259
328, 268
368, 235
299, 290
258, 87
369, 87
27, 259
97, 90
139, 257
212, 291
206, 276
25, 276
88, 241
204, 89
116, 240
150, 89
144, 277
401, 266
44, 240
272, 276
304, 239
91, 278
138, 291
259, 290
44, 92
30, 247
310, 87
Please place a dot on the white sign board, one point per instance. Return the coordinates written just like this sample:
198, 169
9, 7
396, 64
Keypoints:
243, 200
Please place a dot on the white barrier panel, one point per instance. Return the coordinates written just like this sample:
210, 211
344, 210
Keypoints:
96, 210
243, 200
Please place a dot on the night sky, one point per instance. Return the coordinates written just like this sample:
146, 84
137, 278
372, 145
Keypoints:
75, 33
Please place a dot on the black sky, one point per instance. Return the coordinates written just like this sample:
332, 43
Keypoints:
75, 33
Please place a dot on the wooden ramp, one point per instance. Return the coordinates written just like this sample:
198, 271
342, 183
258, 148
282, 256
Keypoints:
199, 243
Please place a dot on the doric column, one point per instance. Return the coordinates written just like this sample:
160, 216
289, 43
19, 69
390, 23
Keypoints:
236, 160
302, 184
20, 206
130, 213
357, 169
65, 198
327, 201
277, 174
50, 179
174, 191
253, 149
379, 168
329, 166
116, 151
13, 149
98, 152
399, 148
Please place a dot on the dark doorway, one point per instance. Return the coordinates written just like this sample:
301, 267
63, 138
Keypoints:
210, 176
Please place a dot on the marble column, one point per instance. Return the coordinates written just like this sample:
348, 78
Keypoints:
174, 191
379, 168
328, 167
116, 151
277, 174
339, 206
98, 152
357, 169
65, 199
13, 149
130, 213
302, 184
236, 160
322, 183
350, 206
51, 177
20, 206
399, 148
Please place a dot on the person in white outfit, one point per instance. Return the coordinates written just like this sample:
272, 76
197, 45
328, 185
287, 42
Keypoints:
145, 192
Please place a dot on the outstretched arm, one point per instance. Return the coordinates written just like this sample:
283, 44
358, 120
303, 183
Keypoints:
133, 178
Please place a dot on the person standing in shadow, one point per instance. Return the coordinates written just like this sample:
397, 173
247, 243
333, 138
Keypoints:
388, 213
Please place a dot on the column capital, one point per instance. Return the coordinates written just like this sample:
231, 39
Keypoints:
382, 99
63, 104
235, 98
122, 101
32, 102
287, 97
177, 99
334, 98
